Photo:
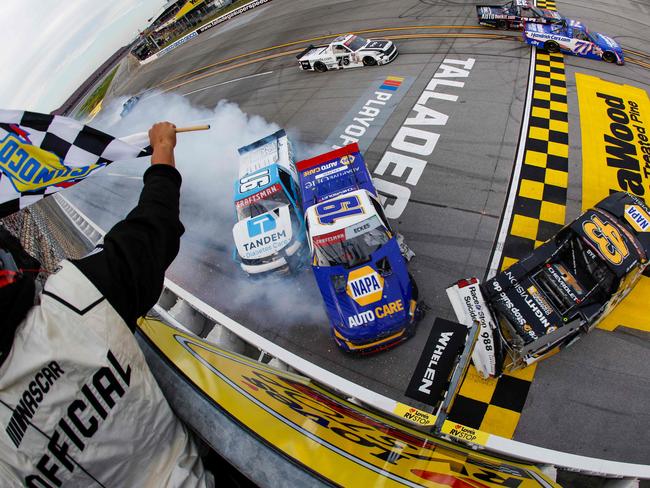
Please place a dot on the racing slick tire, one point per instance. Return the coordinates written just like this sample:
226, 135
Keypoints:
369, 61
609, 57
320, 67
421, 308
502, 25
552, 47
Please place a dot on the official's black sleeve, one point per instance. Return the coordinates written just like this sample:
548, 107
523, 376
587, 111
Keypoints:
130, 269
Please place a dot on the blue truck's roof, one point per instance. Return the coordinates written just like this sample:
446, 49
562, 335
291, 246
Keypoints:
333, 173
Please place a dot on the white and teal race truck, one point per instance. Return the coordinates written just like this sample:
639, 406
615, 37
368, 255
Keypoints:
269, 233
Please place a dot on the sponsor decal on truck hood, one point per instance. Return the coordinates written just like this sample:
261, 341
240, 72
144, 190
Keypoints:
361, 302
264, 235
525, 305
376, 45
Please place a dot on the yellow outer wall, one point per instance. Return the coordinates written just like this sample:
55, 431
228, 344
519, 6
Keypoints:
342, 442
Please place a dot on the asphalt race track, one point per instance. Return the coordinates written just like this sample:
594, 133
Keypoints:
591, 399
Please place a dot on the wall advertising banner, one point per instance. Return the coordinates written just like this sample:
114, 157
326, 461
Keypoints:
339, 441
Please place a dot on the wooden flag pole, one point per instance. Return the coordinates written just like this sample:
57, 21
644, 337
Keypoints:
192, 128
142, 138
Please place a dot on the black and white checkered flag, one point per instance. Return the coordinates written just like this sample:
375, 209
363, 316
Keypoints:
41, 154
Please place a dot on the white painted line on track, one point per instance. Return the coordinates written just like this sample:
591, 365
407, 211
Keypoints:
229, 81
514, 181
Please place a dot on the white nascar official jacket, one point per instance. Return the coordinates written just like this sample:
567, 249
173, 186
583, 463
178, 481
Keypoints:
79, 406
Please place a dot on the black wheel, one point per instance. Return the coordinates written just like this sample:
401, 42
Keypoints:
416, 292
502, 24
320, 67
552, 47
369, 61
609, 56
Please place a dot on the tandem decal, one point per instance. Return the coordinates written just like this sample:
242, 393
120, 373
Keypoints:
264, 241
379, 312
415, 141
625, 125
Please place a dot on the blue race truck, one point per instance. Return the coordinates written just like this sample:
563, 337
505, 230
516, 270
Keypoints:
370, 298
573, 37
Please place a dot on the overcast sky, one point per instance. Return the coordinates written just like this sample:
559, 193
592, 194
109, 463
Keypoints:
49, 47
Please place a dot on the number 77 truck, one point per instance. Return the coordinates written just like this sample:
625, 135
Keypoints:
370, 298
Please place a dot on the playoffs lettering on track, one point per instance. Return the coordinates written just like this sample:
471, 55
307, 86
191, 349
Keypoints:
415, 141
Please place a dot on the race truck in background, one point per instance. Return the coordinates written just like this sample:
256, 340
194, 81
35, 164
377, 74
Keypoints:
349, 51
270, 231
551, 298
574, 38
129, 104
514, 14
370, 297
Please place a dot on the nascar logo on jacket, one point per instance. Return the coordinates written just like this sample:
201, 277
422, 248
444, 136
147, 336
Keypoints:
365, 286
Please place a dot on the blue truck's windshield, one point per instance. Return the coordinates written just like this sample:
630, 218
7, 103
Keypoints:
352, 251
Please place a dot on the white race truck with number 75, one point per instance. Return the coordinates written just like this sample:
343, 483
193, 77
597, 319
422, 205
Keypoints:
347, 51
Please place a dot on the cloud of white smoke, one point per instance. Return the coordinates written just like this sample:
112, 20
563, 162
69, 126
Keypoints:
208, 162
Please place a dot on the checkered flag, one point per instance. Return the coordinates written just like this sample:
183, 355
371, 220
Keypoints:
42, 154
